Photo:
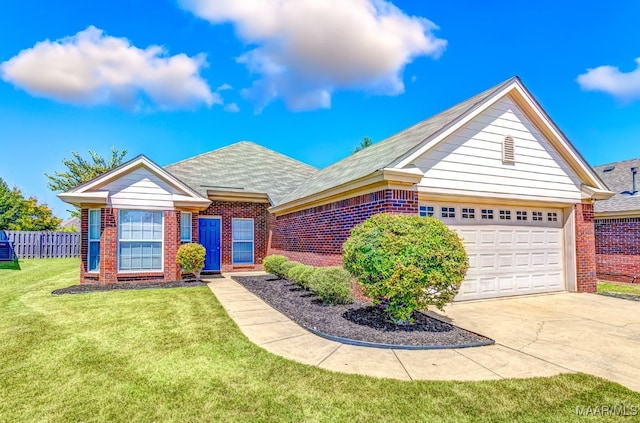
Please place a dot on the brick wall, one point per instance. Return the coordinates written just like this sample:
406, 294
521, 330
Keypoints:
108, 270
315, 236
585, 248
229, 210
618, 249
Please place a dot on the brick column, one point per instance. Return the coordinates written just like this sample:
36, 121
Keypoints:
109, 246
171, 245
585, 248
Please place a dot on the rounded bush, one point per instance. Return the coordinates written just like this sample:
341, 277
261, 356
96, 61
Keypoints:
191, 258
296, 271
406, 263
274, 264
286, 267
306, 275
332, 284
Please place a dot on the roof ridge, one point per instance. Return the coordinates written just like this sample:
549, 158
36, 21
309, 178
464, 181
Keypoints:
235, 144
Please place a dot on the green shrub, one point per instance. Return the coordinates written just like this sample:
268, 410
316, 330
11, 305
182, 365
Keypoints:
406, 262
306, 275
296, 271
332, 284
191, 258
286, 267
274, 264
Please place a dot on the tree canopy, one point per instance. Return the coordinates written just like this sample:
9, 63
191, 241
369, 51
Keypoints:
80, 170
18, 213
366, 142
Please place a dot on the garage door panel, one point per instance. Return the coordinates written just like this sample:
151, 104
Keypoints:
509, 256
522, 260
507, 284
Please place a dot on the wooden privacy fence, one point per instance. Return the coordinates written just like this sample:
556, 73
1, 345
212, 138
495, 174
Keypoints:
43, 244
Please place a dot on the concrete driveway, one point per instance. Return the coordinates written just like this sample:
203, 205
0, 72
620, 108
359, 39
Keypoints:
579, 332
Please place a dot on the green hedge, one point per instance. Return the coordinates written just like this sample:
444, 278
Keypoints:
274, 265
331, 284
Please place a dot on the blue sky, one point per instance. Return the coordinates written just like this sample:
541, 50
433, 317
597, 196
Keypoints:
175, 78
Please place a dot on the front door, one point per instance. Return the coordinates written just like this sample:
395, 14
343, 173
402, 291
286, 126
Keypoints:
209, 237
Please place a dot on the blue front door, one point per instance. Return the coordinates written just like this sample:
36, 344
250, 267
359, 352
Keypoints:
209, 237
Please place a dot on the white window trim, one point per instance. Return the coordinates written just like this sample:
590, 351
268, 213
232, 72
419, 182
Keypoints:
253, 243
90, 240
139, 240
182, 215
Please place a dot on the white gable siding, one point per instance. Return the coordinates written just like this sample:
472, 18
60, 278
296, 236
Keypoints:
140, 189
470, 159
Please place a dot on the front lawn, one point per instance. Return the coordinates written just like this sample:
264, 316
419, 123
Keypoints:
174, 355
624, 288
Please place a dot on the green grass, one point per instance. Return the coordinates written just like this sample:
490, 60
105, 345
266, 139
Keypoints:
174, 355
624, 288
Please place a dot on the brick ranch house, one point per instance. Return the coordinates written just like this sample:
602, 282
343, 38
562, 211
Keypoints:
495, 168
617, 222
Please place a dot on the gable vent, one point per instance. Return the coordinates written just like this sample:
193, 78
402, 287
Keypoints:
508, 150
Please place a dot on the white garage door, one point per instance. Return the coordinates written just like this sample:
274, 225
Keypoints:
512, 250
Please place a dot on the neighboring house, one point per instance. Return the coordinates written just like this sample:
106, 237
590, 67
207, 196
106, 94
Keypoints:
494, 167
72, 224
618, 223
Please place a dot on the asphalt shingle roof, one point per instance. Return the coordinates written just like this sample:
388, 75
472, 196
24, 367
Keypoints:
619, 180
387, 152
242, 167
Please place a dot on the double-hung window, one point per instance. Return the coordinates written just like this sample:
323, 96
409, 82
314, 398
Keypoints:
93, 261
140, 240
185, 227
242, 234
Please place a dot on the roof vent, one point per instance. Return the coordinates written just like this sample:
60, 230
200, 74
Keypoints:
508, 150
608, 168
634, 182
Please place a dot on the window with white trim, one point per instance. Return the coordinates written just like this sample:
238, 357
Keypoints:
185, 227
140, 235
521, 215
552, 216
426, 211
242, 241
536, 216
487, 214
93, 252
449, 212
468, 213
505, 214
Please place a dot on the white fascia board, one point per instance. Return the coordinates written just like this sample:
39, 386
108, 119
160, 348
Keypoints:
95, 197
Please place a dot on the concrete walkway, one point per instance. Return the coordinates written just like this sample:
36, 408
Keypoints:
274, 332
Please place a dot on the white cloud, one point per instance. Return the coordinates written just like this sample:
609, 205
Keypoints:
232, 108
224, 87
93, 68
623, 85
305, 50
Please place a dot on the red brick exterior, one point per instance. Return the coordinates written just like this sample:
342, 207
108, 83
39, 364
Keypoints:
108, 269
585, 248
618, 249
229, 210
315, 236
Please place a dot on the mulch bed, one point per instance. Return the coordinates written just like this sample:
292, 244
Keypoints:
83, 289
631, 297
360, 321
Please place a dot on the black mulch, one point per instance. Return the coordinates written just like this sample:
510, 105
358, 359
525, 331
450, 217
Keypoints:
632, 297
359, 321
83, 289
